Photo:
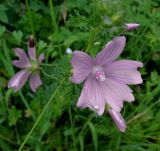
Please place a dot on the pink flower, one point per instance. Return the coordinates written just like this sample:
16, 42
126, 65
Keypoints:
29, 66
105, 78
131, 26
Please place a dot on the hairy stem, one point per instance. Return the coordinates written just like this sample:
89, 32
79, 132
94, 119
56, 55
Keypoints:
30, 19
40, 116
48, 75
26, 104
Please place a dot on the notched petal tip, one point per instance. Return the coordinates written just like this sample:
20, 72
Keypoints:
35, 81
82, 65
18, 80
23, 61
111, 51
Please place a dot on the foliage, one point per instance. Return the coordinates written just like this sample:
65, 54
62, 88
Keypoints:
84, 25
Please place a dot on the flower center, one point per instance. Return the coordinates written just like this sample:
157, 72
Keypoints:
98, 73
34, 66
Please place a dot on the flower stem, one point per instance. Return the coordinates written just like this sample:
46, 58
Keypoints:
40, 116
26, 104
71, 121
30, 19
48, 75
55, 25
48, 65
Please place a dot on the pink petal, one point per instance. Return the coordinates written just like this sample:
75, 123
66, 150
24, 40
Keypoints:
35, 81
32, 53
41, 57
82, 65
111, 51
124, 71
92, 96
18, 80
131, 26
116, 93
23, 61
118, 119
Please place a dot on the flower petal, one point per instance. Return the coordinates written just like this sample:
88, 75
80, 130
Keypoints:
32, 53
124, 71
23, 61
131, 26
118, 119
92, 96
116, 93
41, 57
82, 65
111, 51
18, 80
35, 81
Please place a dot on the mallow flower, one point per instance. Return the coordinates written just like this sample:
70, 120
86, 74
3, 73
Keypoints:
106, 79
29, 65
131, 26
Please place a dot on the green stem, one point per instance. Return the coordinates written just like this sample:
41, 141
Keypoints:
48, 75
26, 104
48, 65
40, 116
71, 121
30, 19
54, 24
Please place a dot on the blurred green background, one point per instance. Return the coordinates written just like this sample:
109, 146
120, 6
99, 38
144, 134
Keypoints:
80, 25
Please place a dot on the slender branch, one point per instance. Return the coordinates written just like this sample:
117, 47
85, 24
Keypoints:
40, 116
26, 104
48, 75
48, 65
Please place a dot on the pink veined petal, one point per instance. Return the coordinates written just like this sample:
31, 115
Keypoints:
118, 119
116, 93
111, 51
131, 26
82, 65
32, 53
23, 61
41, 57
92, 96
35, 81
18, 80
124, 71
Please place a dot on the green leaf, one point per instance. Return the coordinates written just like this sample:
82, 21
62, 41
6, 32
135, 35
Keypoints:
94, 135
2, 30
3, 14
81, 142
14, 115
18, 36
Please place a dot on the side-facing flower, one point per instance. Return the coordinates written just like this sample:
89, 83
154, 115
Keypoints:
29, 66
131, 26
105, 78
